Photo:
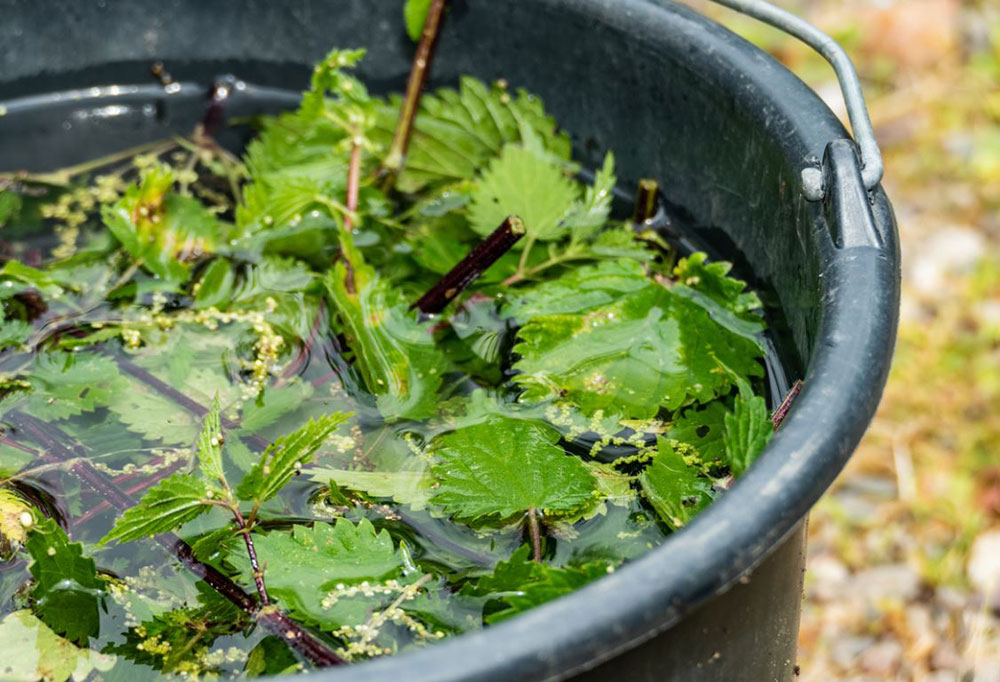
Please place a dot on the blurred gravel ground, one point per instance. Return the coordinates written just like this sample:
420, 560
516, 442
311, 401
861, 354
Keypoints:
903, 581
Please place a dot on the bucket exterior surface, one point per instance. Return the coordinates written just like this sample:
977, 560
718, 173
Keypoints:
726, 130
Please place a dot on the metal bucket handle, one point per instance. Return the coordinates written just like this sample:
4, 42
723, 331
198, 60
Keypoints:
871, 158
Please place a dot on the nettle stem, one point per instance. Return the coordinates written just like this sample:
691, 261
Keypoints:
475, 263
258, 573
419, 72
211, 122
353, 188
56, 446
536, 535
782, 411
647, 201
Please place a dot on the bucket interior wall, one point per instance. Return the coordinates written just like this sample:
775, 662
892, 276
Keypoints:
669, 115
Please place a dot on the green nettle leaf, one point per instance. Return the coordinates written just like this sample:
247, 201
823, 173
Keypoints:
748, 429
284, 458
68, 594
181, 640
413, 488
676, 490
215, 288
520, 584
29, 650
274, 403
162, 229
579, 290
631, 357
68, 384
166, 506
10, 203
415, 15
702, 427
503, 467
591, 214
15, 332
22, 277
393, 351
155, 417
522, 183
271, 656
458, 131
210, 445
712, 280
305, 565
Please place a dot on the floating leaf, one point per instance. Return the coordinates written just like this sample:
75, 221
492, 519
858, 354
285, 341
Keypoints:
303, 566
17, 516
163, 230
748, 429
503, 467
67, 593
413, 488
676, 490
704, 428
631, 357
521, 584
579, 290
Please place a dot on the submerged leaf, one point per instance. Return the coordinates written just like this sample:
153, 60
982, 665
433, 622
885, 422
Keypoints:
413, 488
675, 489
30, 651
210, 445
502, 467
394, 352
520, 584
68, 384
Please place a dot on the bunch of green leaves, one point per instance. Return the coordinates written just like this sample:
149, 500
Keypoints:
458, 496
182, 498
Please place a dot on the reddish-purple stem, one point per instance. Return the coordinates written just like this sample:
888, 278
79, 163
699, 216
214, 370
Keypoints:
258, 574
419, 72
786, 404
536, 535
58, 447
475, 263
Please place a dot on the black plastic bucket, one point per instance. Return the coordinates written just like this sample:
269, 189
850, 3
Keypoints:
726, 130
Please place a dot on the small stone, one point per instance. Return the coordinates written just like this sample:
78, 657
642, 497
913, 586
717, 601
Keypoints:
846, 650
883, 659
889, 581
826, 578
983, 568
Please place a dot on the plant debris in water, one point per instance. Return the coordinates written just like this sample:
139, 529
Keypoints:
345, 395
